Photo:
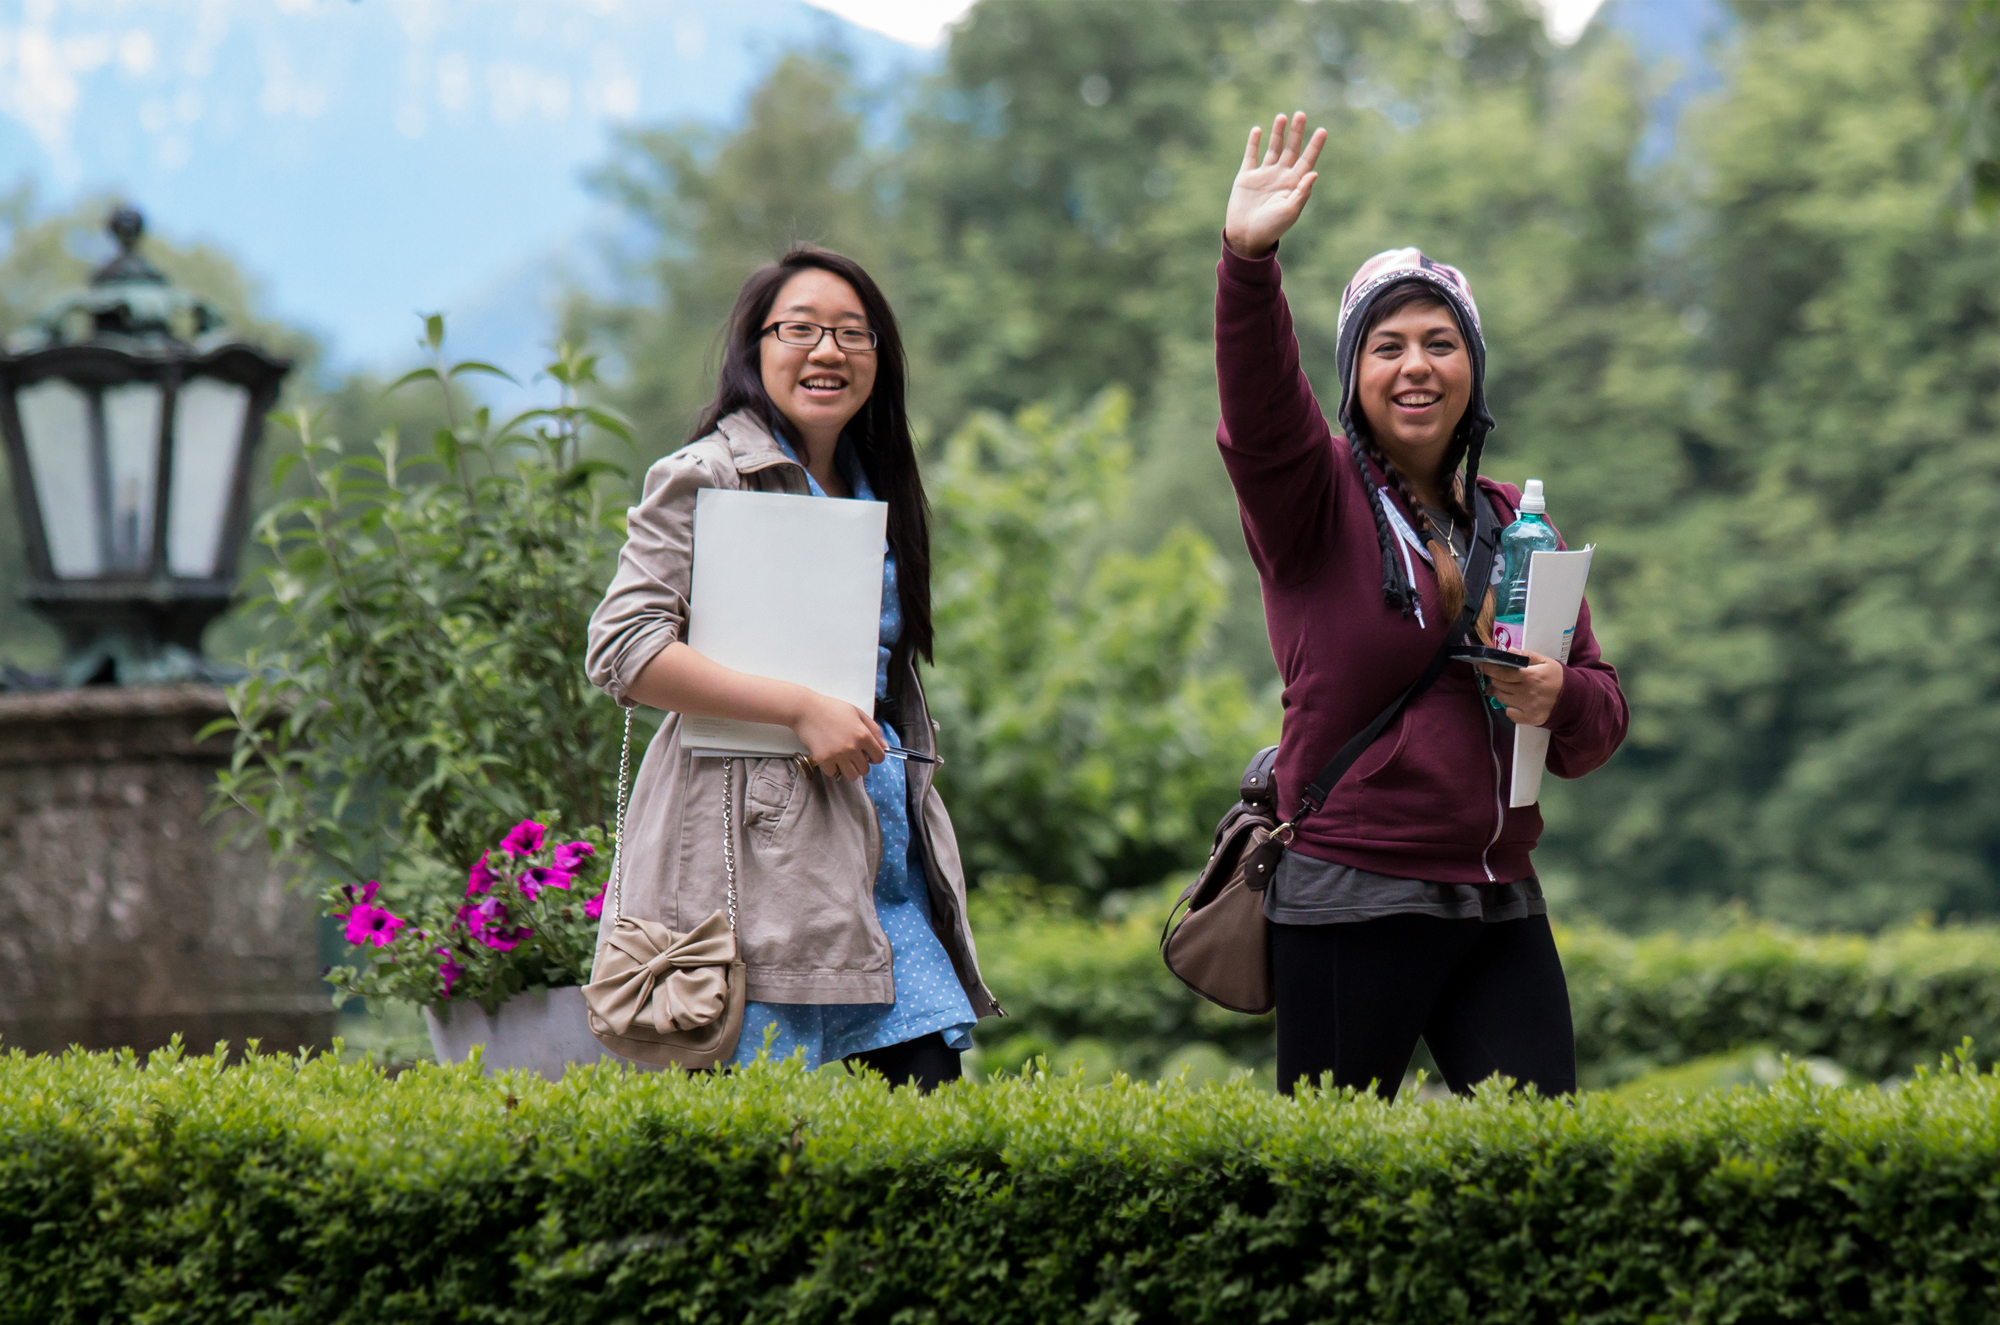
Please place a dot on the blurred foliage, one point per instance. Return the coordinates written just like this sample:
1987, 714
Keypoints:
425, 691
1071, 974
1089, 739
1979, 117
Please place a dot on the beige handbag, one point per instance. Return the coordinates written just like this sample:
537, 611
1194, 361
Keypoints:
657, 995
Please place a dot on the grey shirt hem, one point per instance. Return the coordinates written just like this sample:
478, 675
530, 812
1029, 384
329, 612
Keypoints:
1308, 891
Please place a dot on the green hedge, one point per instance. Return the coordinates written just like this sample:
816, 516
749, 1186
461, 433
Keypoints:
284, 1190
1877, 1006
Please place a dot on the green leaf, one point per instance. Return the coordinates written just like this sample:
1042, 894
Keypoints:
414, 375
475, 366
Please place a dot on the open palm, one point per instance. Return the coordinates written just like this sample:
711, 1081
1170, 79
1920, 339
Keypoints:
1270, 193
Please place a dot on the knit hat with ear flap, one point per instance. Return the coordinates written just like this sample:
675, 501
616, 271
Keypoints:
1400, 266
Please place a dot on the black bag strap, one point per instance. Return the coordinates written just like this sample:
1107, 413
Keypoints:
1478, 576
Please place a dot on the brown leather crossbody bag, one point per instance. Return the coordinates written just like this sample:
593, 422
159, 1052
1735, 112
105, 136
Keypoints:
1216, 938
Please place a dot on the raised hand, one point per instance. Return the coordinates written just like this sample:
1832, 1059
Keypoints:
1269, 194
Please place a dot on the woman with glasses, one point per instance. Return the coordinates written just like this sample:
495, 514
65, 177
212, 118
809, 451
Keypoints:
851, 912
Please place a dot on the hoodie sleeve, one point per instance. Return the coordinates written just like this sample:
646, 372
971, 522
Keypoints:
1275, 441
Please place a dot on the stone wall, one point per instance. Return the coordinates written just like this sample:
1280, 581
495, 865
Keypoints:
126, 913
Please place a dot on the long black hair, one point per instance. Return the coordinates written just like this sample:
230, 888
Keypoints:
880, 432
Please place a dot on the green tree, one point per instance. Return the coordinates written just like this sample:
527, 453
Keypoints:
1811, 636
1088, 739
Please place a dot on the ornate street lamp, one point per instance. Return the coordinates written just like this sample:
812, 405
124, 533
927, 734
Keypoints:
130, 421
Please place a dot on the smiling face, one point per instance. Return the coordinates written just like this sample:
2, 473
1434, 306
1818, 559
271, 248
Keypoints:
819, 389
1415, 380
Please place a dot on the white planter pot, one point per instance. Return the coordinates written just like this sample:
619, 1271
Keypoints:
543, 1030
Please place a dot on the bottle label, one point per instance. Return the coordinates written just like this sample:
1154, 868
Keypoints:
1510, 635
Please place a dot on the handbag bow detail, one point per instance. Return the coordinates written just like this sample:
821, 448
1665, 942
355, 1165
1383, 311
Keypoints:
677, 982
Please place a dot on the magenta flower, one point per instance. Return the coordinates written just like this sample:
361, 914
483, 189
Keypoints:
524, 838
543, 876
372, 925
594, 907
501, 939
448, 970
570, 855
481, 878
488, 925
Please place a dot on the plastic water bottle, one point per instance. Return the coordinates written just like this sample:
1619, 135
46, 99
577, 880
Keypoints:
1530, 533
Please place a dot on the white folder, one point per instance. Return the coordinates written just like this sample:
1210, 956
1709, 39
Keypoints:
1555, 598
790, 588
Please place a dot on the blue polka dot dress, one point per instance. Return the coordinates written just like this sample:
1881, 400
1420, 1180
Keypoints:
928, 996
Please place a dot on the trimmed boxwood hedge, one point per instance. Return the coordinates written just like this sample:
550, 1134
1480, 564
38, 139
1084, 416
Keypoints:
1875, 1004
306, 1190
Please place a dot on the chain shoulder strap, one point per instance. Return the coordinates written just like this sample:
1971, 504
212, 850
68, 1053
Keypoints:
618, 842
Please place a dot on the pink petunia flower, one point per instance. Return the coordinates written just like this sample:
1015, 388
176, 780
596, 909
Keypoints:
372, 925
524, 838
570, 855
543, 876
481, 878
448, 970
595, 906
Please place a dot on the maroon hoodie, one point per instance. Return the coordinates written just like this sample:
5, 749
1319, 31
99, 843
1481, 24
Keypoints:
1429, 799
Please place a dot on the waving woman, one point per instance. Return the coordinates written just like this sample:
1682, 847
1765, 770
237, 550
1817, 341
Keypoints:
852, 913
1407, 905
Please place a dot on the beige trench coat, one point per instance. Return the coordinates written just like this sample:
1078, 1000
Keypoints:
807, 846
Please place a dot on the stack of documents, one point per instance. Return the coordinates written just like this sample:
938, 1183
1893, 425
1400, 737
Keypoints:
790, 588
1555, 597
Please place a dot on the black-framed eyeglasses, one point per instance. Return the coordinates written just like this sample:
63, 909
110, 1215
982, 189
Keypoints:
808, 335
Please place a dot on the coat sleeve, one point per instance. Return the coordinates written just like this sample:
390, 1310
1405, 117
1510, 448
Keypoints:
1275, 441
646, 606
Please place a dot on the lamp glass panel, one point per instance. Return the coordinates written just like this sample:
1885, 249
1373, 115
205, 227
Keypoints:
132, 455
208, 433
55, 422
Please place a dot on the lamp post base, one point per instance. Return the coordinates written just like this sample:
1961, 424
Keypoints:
127, 913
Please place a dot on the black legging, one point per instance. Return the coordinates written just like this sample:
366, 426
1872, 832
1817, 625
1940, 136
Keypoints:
1487, 998
926, 1062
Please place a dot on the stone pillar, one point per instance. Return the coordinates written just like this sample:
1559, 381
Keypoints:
126, 914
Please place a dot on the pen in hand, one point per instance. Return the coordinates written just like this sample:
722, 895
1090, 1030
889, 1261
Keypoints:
893, 752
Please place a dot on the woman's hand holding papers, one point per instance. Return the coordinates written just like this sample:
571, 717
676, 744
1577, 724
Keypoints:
1528, 692
841, 738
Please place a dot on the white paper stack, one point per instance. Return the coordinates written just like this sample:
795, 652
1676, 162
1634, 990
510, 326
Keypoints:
790, 588
1555, 597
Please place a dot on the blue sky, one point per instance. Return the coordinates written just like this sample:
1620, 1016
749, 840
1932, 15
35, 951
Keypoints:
365, 159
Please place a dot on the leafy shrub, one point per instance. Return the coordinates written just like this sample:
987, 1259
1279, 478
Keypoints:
1876, 1006
296, 1190
1090, 738
426, 690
